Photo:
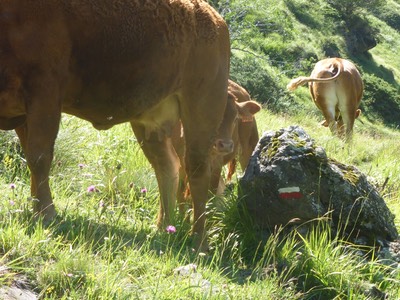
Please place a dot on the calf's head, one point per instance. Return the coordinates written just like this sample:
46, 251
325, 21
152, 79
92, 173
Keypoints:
236, 114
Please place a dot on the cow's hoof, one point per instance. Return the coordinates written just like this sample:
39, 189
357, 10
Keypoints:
200, 244
49, 218
46, 214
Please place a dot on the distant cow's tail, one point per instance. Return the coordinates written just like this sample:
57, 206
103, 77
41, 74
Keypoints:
334, 68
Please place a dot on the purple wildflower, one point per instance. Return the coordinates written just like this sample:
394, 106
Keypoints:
81, 166
143, 190
12, 186
12, 203
171, 229
91, 189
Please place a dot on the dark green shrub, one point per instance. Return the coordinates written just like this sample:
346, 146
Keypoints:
381, 101
330, 48
392, 18
359, 35
302, 11
347, 8
261, 85
293, 60
349, 18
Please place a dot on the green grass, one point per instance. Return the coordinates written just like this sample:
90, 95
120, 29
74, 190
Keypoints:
104, 245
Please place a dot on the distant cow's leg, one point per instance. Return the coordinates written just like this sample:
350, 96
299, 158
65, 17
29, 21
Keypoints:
340, 127
349, 129
325, 98
347, 116
347, 122
163, 158
331, 123
329, 112
37, 138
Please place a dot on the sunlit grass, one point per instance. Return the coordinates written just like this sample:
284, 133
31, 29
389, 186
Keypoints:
104, 243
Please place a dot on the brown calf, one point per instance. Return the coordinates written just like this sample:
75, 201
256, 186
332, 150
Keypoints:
247, 126
336, 88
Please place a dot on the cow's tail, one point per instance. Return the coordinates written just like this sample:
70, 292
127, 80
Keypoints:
296, 82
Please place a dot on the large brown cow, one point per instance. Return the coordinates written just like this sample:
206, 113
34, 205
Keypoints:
238, 126
336, 88
149, 62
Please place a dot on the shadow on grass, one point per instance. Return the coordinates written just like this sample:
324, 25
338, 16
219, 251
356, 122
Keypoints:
370, 66
94, 234
81, 230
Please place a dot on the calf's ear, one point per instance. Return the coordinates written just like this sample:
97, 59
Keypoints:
248, 108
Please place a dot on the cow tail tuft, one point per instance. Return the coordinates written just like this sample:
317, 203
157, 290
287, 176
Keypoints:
296, 82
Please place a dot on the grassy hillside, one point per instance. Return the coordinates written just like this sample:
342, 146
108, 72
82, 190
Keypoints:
274, 41
104, 245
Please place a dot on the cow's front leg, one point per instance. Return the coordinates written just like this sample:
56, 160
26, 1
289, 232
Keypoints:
201, 174
37, 137
198, 169
160, 152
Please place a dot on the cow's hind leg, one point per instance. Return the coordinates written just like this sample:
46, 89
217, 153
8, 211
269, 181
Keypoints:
37, 139
183, 196
340, 127
327, 103
347, 118
330, 120
163, 158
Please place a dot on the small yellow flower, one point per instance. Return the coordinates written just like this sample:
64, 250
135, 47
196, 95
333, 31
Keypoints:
50, 289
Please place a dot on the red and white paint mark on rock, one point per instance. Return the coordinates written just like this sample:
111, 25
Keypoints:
292, 192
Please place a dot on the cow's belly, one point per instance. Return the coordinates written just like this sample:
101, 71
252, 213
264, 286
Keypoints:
12, 111
109, 100
104, 110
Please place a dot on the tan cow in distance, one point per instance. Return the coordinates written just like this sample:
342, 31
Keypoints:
238, 126
336, 88
151, 63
